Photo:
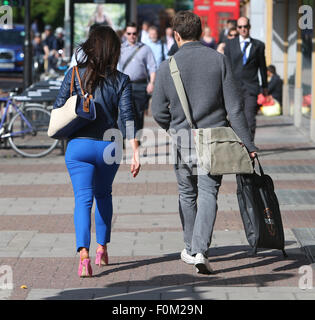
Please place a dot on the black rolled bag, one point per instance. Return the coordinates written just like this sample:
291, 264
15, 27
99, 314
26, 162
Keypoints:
260, 211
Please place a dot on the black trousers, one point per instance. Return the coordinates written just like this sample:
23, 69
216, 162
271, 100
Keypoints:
250, 110
140, 103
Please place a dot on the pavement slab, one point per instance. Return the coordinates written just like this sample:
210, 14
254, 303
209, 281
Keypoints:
37, 239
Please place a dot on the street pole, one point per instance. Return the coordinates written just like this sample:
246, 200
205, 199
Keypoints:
285, 90
27, 74
67, 29
269, 5
298, 93
312, 133
133, 11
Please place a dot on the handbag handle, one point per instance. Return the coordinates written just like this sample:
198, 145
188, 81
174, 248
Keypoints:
86, 102
72, 82
180, 90
75, 70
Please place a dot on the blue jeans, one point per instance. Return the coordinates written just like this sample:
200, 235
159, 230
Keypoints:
92, 171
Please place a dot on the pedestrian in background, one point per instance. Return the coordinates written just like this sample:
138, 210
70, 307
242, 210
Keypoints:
144, 33
275, 83
60, 40
212, 93
207, 40
89, 155
247, 57
224, 33
50, 48
168, 39
231, 35
157, 46
37, 46
137, 61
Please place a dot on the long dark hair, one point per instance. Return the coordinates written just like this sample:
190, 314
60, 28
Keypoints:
100, 55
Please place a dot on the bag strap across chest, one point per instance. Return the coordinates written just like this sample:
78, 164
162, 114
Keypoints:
180, 90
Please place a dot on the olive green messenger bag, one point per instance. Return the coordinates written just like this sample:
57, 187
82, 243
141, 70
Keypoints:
219, 150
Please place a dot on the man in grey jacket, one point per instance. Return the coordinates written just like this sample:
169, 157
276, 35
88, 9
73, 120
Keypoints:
213, 96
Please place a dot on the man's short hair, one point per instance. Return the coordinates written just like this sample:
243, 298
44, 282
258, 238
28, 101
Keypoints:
272, 69
131, 24
232, 21
154, 28
188, 25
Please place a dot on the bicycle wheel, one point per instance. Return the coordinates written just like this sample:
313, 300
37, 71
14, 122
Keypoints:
28, 133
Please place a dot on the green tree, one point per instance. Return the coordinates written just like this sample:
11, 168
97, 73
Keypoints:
51, 11
165, 3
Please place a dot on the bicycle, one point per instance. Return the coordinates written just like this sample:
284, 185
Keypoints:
26, 131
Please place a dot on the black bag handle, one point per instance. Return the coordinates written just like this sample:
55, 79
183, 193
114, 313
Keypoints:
259, 165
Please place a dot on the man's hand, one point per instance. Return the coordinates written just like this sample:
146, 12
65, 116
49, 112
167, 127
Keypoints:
253, 155
150, 88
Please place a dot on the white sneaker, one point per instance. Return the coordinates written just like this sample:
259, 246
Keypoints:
187, 258
202, 264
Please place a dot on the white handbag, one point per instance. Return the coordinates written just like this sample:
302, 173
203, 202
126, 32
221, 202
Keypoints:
77, 112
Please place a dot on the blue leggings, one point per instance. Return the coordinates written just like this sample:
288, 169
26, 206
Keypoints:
92, 171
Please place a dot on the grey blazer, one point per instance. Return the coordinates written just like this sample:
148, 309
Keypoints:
211, 92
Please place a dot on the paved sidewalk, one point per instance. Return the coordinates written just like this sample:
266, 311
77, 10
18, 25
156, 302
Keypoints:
37, 241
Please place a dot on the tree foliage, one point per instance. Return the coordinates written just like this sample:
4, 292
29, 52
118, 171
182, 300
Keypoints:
49, 11
165, 3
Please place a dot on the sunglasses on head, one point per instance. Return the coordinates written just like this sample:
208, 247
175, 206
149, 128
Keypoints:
245, 26
131, 33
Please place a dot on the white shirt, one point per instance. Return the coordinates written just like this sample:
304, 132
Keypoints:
144, 37
169, 42
242, 43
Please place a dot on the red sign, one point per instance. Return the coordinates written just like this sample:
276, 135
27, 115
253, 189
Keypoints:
215, 13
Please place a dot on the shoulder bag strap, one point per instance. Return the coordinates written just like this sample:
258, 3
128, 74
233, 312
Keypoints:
131, 57
87, 97
72, 82
180, 90
162, 50
79, 79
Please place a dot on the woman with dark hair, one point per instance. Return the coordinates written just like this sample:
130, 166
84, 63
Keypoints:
93, 156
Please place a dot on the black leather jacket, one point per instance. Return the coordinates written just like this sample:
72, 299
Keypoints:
112, 99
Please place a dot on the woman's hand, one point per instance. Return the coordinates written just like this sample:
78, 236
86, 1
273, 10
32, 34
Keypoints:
135, 163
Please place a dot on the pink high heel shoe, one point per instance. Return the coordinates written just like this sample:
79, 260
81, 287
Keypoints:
101, 258
85, 269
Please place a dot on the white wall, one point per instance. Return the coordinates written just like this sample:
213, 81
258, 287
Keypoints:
257, 19
278, 36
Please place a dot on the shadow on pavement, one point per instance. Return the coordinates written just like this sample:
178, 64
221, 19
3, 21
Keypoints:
182, 285
146, 290
265, 152
269, 125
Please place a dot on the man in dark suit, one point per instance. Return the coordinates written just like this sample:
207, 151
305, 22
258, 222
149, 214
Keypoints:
247, 56
275, 83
